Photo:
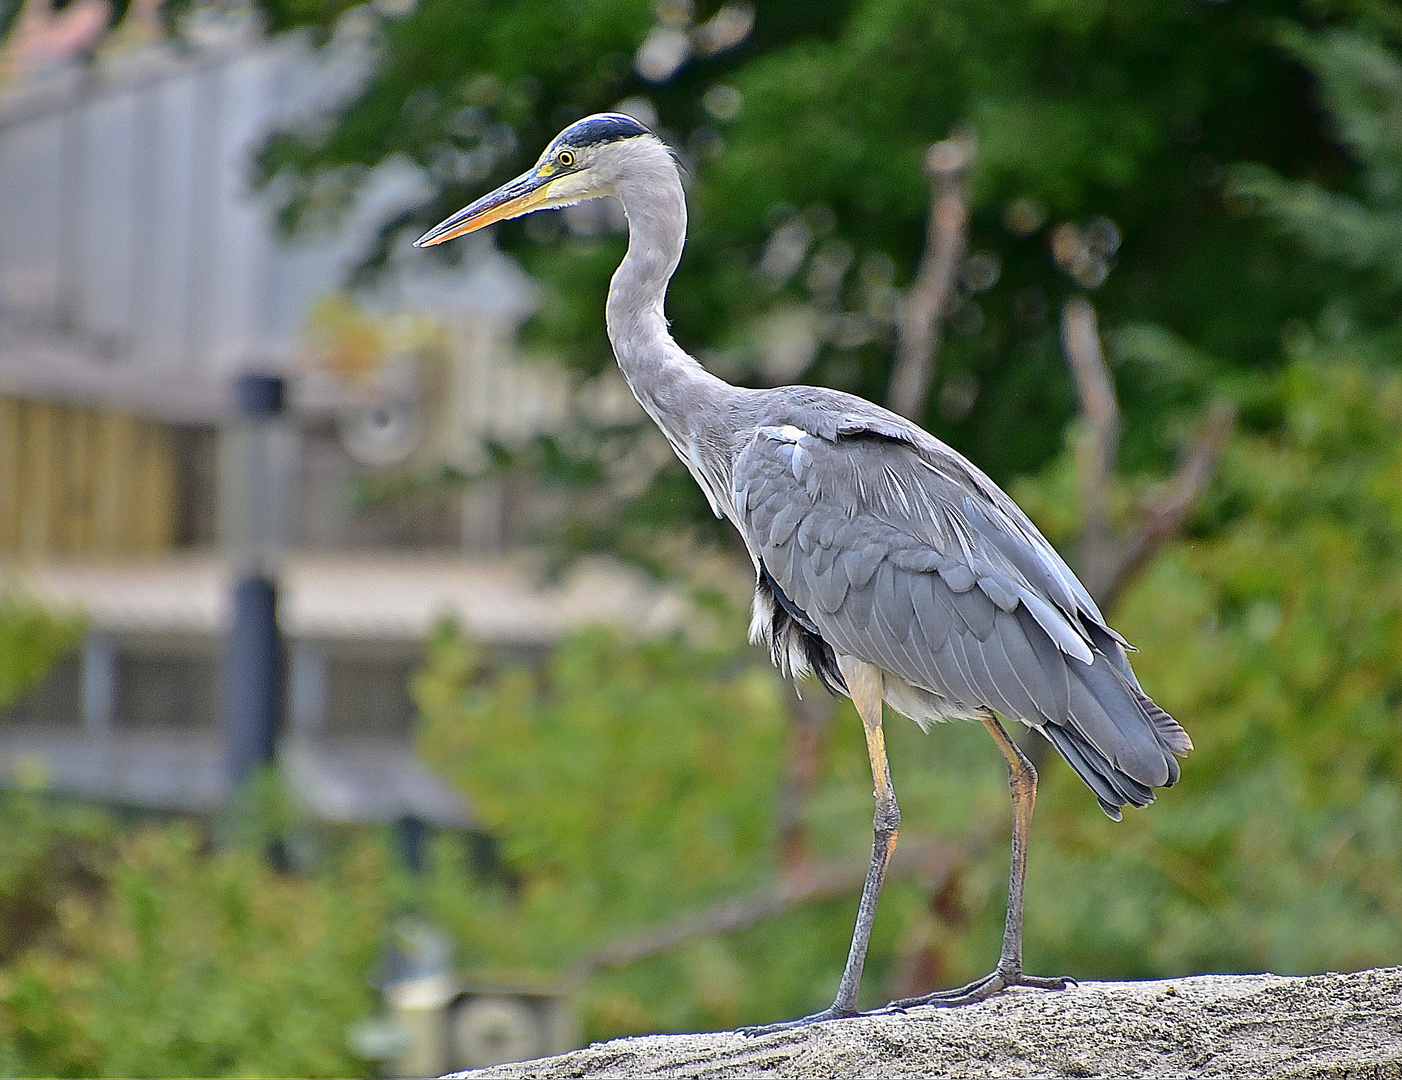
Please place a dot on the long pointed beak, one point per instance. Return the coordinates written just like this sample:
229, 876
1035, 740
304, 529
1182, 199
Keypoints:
513, 199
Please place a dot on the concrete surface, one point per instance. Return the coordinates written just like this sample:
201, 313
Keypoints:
1204, 1026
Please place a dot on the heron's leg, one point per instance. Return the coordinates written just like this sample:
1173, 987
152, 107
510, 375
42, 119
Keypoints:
1022, 780
864, 682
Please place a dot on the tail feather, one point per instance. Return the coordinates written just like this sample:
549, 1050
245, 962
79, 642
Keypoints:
1169, 731
1115, 737
1109, 799
1113, 787
1105, 714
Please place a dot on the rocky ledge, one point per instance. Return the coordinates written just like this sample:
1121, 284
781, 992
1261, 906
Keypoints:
1208, 1025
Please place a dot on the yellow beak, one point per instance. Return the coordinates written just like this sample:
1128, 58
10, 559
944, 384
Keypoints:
518, 197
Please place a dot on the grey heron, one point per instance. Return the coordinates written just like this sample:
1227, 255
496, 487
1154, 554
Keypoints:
886, 563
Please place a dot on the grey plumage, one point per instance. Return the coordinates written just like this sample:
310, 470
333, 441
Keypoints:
886, 563
902, 553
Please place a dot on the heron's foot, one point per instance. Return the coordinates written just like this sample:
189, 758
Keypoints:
830, 1013
979, 990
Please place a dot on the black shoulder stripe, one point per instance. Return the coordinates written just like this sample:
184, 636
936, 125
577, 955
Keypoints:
790, 627
790, 608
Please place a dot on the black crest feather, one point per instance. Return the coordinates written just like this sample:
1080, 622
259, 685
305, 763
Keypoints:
611, 127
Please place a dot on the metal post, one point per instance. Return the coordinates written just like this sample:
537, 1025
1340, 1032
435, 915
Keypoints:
99, 676
253, 669
252, 675
413, 836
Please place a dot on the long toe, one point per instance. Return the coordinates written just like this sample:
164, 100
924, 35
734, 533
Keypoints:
979, 990
829, 1013
1043, 982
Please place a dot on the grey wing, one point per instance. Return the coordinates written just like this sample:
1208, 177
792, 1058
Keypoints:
906, 562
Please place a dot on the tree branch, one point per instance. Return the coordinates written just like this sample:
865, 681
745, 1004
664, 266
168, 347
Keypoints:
933, 861
927, 304
1165, 518
1099, 441
1109, 561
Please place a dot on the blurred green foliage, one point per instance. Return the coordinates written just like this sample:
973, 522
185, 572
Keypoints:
1360, 82
604, 773
31, 639
1275, 633
626, 784
1277, 639
139, 951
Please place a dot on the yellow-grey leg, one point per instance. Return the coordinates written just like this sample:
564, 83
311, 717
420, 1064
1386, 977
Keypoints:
864, 683
1022, 780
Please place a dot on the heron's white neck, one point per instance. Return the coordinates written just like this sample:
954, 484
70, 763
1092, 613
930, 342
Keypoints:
681, 396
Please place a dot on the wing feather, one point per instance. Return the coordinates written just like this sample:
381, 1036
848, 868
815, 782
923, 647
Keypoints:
1014, 673
1056, 674
862, 564
957, 575
1040, 683
933, 609
783, 524
976, 611
960, 677
919, 564
856, 607
830, 588
893, 612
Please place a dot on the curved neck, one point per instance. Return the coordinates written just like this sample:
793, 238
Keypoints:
677, 392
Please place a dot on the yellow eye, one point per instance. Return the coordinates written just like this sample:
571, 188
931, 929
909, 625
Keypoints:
565, 158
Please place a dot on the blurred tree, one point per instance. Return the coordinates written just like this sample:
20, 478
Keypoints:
1357, 227
1101, 133
614, 756
1278, 638
624, 783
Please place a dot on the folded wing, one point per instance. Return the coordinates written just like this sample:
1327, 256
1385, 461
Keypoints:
900, 553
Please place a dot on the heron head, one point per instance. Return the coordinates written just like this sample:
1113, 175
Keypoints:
583, 162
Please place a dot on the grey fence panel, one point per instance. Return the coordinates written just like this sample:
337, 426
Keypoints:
106, 184
132, 248
31, 232
169, 213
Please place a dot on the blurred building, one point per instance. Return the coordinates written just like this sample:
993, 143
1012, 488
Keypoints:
138, 276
